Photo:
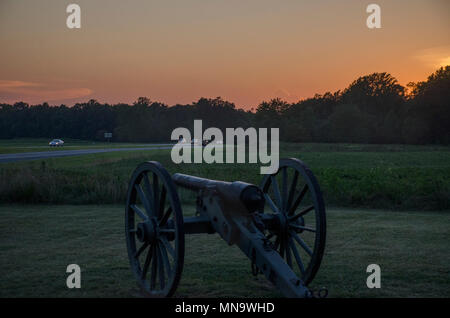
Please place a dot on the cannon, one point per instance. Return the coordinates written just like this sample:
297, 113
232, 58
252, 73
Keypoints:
280, 225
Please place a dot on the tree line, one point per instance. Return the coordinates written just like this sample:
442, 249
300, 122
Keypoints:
373, 109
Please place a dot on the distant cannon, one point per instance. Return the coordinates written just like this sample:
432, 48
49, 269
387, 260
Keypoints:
280, 226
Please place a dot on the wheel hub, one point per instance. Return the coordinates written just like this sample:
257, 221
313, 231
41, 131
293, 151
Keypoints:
147, 231
299, 221
281, 223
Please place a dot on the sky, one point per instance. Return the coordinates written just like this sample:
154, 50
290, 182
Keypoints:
246, 51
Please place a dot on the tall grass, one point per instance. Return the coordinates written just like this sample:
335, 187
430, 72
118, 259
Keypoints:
403, 178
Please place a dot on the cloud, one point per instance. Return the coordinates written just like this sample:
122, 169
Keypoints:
14, 90
435, 57
4, 85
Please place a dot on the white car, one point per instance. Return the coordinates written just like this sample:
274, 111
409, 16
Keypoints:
56, 143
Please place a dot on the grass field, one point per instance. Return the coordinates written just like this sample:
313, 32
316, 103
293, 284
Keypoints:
60, 211
38, 242
375, 176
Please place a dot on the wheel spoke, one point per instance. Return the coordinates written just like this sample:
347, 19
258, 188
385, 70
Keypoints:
302, 228
276, 191
277, 243
147, 262
267, 184
139, 212
154, 270
303, 212
144, 199
302, 243
165, 217
298, 200
282, 247
292, 190
156, 193
161, 268
165, 259
288, 255
271, 204
141, 249
168, 247
149, 188
162, 202
297, 256
284, 190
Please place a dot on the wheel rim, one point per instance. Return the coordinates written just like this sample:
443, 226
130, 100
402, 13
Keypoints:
294, 198
154, 230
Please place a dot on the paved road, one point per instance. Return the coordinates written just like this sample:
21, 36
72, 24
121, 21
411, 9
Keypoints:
11, 157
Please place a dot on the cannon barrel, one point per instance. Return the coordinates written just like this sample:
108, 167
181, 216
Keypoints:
250, 195
195, 183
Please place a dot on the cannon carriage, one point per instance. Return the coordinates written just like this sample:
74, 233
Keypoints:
280, 225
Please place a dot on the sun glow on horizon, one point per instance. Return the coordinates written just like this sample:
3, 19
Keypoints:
445, 62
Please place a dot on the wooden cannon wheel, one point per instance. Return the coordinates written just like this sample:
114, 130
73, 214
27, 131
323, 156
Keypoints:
154, 230
293, 195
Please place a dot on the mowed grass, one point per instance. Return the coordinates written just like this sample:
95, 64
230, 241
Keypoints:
38, 242
394, 177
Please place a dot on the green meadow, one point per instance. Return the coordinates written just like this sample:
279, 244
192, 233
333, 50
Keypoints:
386, 204
37, 242
394, 177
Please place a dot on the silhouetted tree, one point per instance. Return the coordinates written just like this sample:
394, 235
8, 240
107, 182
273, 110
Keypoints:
374, 108
430, 105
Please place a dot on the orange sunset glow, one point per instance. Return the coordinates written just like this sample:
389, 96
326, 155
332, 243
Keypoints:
244, 51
